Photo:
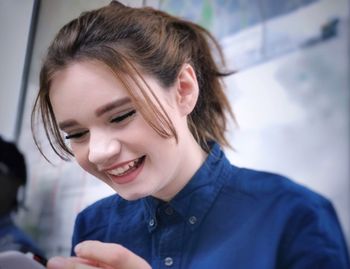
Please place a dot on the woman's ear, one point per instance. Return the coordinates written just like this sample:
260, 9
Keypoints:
187, 90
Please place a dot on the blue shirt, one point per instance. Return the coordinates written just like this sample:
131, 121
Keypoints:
225, 217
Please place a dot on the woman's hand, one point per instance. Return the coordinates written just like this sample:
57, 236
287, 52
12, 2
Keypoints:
94, 254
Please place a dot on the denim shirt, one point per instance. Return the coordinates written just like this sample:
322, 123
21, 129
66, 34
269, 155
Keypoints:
225, 217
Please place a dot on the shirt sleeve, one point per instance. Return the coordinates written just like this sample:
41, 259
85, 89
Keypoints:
76, 238
91, 223
313, 239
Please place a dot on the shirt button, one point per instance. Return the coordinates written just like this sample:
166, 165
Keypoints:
151, 222
168, 261
192, 220
169, 211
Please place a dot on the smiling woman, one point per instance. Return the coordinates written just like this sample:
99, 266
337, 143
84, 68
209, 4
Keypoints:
135, 95
111, 140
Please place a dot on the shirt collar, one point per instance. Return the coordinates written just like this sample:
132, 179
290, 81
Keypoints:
195, 199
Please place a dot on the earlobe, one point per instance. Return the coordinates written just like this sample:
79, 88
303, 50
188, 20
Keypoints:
187, 89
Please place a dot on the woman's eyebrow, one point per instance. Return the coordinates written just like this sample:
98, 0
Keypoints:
67, 124
109, 106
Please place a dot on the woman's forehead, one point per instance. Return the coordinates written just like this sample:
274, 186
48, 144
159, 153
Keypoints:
80, 77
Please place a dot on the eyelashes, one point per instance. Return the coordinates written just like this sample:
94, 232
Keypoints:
121, 119
124, 116
75, 135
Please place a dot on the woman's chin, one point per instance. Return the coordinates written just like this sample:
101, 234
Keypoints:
131, 196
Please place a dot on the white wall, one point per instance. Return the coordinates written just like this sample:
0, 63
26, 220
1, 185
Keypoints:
15, 17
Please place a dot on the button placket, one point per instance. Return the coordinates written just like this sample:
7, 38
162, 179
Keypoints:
169, 211
151, 222
168, 261
192, 220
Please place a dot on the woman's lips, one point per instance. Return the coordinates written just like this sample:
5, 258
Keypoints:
127, 172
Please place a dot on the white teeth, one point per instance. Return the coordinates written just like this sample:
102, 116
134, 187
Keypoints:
122, 170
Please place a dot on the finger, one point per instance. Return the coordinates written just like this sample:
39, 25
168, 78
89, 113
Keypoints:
68, 263
113, 255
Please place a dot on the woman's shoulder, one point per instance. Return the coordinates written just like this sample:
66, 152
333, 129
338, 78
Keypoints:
96, 214
105, 207
92, 222
305, 221
262, 185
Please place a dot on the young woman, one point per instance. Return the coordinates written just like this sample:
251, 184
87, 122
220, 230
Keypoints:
138, 97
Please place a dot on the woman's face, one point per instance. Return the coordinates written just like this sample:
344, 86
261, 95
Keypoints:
111, 140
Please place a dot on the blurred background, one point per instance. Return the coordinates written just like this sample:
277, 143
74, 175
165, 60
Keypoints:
290, 95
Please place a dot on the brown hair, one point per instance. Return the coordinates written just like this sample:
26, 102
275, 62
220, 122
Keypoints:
131, 41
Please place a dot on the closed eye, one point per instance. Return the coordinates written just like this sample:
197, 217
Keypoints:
76, 135
123, 116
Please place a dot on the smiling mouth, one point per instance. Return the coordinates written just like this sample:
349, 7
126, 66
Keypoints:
127, 168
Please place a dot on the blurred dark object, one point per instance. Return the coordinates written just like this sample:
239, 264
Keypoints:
13, 177
12, 161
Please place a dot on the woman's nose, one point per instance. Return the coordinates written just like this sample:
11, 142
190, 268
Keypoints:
102, 147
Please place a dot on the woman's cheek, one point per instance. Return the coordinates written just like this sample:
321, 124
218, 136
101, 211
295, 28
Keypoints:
82, 157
